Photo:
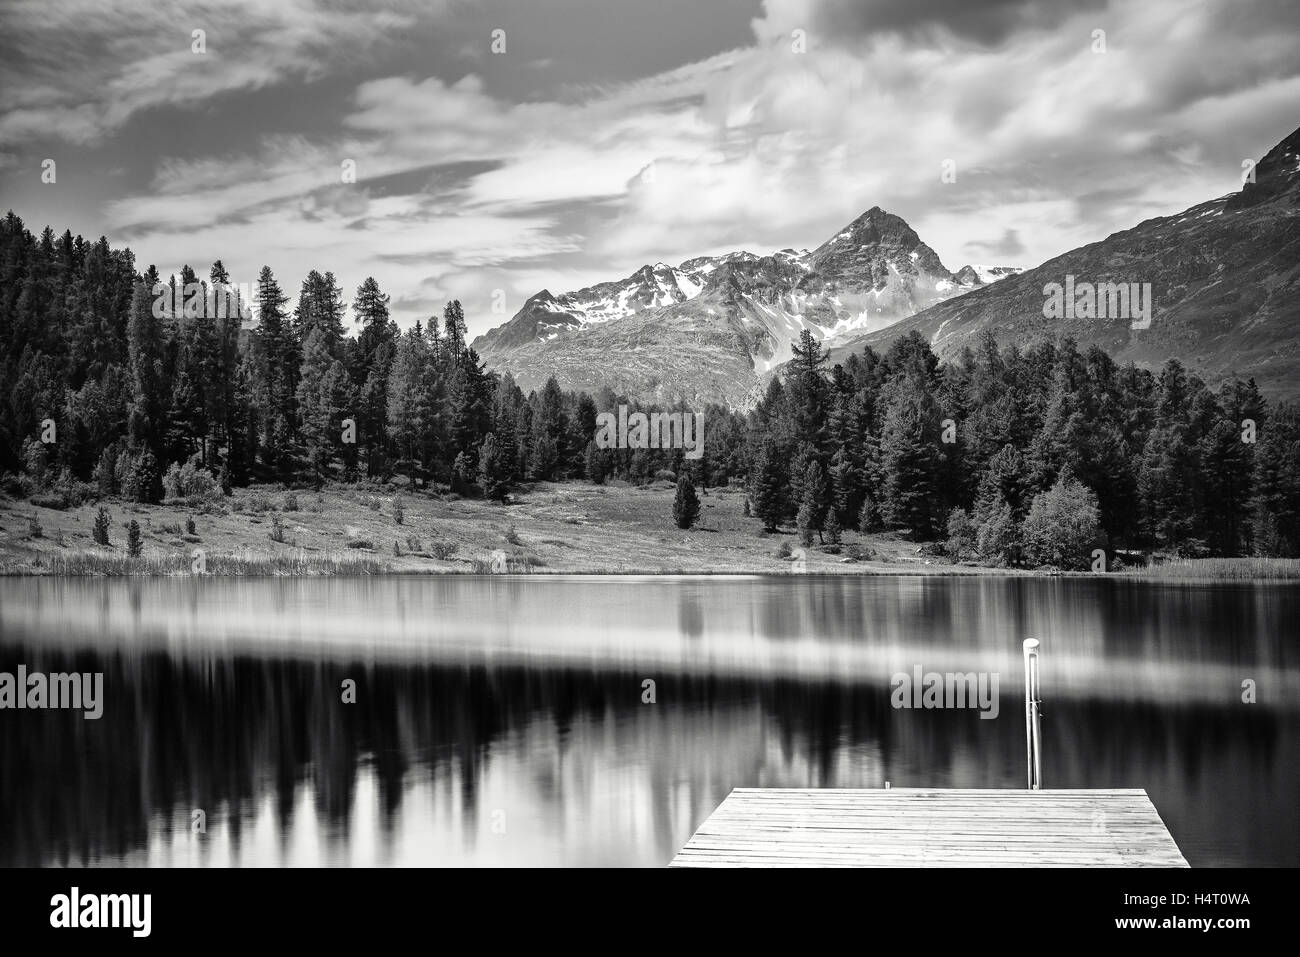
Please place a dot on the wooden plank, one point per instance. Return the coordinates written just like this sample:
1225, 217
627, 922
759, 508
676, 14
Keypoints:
932, 827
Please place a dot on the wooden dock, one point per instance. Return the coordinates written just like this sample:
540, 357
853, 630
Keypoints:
905, 827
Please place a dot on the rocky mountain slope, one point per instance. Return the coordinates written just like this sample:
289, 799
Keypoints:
1225, 282
712, 328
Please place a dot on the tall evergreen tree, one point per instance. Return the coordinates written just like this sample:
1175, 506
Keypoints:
814, 503
320, 307
768, 486
325, 394
409, 411
494, 469
143, 350
686, 504
276, 360
912, 496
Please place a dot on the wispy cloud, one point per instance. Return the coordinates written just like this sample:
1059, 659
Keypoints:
77, 70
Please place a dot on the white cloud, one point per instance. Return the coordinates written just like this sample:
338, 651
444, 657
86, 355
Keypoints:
760, 148
89, 66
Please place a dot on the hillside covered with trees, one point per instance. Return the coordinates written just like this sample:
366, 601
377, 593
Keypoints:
1008, 457
1034, 457
294, 399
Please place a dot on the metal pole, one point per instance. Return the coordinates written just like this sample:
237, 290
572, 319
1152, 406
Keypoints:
1038, 731
1033, 707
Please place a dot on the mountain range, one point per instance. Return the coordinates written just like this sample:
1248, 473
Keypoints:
1223, 277
714, 327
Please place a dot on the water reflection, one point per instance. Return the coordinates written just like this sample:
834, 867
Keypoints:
501, 721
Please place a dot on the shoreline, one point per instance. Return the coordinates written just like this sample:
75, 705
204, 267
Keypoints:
36, 572
569, 528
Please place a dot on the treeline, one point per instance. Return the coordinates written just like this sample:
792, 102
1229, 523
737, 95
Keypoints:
148, 400
1035, 457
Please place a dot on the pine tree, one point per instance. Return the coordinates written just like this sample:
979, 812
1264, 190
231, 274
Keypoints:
768, 486
320, 307
463, 471
805, 455
494, 468
912, 493
104, 476
134, 544
224, 357
370, 307
550, 425
814, 504
845, 483
807, 393
506, 402
409, 412
373, 401
545, 456
324, 396
469, 402
869, 515
582, 430
805, 522
686, 504
593, 464
1227, 467
1005, 480
523, 432
143, 340
146, 479
1167, 482
453, 323
184, 418
241, 425
833, 530
276, 358
103, 521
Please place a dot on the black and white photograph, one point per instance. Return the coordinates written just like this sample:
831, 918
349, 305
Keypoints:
607, 435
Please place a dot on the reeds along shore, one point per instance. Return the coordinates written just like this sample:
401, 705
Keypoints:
236, 565
1222, 569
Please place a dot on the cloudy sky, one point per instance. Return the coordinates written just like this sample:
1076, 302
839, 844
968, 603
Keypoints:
589, 137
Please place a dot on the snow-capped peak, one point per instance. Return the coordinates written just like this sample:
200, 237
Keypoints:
977, 275
873, 272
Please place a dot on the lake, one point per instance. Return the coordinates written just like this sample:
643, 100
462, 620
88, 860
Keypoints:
539, 720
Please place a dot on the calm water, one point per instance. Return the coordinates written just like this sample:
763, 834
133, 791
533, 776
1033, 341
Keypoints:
500, 720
